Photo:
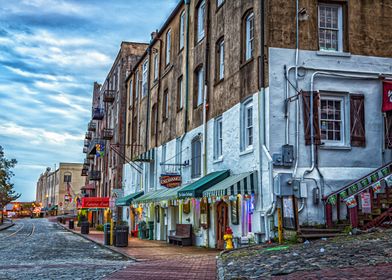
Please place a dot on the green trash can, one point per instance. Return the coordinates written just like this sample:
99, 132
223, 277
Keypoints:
142, 230
151, 230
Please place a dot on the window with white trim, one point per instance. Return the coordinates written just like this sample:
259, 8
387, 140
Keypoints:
330, 21
155, 67
130, 92
218, 138
200, 20
221, 59
137, 84
196, 157
200, 86
165, 105
180, 93
332, 119
219, 3
182, 29
144, 78
249, 35
168, 46
247, 125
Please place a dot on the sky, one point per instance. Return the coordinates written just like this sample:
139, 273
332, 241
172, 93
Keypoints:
51, 52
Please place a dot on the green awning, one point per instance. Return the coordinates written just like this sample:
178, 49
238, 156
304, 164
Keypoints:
196, 189
244, 183
54, 207
159, 195
126, 200
148, 197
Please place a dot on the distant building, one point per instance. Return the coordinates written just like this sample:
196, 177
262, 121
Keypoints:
59, 190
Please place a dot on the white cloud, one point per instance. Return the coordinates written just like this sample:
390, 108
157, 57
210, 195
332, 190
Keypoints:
37, 136
26, 74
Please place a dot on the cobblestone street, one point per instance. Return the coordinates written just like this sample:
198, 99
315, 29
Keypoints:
367, 256
38, 249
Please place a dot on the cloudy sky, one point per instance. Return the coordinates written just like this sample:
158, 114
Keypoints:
51, 52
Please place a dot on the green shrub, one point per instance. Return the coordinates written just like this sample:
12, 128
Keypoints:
99, 227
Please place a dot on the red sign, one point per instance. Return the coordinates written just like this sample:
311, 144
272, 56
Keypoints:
387, 97
170, 181
95, 202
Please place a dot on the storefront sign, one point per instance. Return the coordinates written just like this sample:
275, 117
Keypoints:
387, 97
351, 202
170, 181
95, 202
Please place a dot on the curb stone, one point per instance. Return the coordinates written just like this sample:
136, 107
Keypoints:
100, 244
8, 226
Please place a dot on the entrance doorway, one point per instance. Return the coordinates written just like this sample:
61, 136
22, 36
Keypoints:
222, 222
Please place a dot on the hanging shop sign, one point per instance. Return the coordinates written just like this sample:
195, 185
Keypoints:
351, 202
170, 180
95, 202
387, 97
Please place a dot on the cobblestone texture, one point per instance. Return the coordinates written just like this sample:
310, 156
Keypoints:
38, 249
367, 256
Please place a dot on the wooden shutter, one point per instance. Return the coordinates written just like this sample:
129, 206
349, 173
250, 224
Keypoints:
316, 121
357, 120
388, 130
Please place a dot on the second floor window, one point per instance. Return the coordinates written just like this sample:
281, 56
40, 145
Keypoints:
180, 93
218, 138
247, 125
165, 111
196, 158
200, 20
249, 35
330, 28
220, 60
168, 46
182, 29
199, 86
155, 67
144, 79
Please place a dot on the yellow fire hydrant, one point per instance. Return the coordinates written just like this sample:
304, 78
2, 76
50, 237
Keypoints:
228, 237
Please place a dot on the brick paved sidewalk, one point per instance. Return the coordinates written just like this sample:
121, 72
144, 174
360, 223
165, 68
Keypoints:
159, 260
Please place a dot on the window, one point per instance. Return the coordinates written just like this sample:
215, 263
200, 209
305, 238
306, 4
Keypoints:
129, 133
130, 92
249, 35
168, 46
199, 86
220, 59
182, 29
165, 110
180, 93
247, 125
330, 27
219, 3
67, 178
200, 20
153, 119
218, 137
137, 84
163, 153
144, 78
155, 67
178, 152
331, 119
196, 158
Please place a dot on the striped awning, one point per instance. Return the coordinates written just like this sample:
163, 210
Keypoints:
244, 183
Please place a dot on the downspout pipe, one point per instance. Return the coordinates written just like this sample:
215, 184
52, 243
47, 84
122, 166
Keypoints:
187, 3
205, 95
158, 90
148, 96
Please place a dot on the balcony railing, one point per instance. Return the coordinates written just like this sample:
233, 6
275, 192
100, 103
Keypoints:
86, 161
108, 133
86, 143
95, 175
85, 150
108, 95
98, 113
89, 135
92, 126
90, 156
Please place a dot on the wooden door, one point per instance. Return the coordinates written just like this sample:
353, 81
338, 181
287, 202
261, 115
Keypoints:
222, 222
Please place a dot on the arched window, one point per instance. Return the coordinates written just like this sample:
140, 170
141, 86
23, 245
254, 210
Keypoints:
201, 10
249, 34
196, 158
168, 46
